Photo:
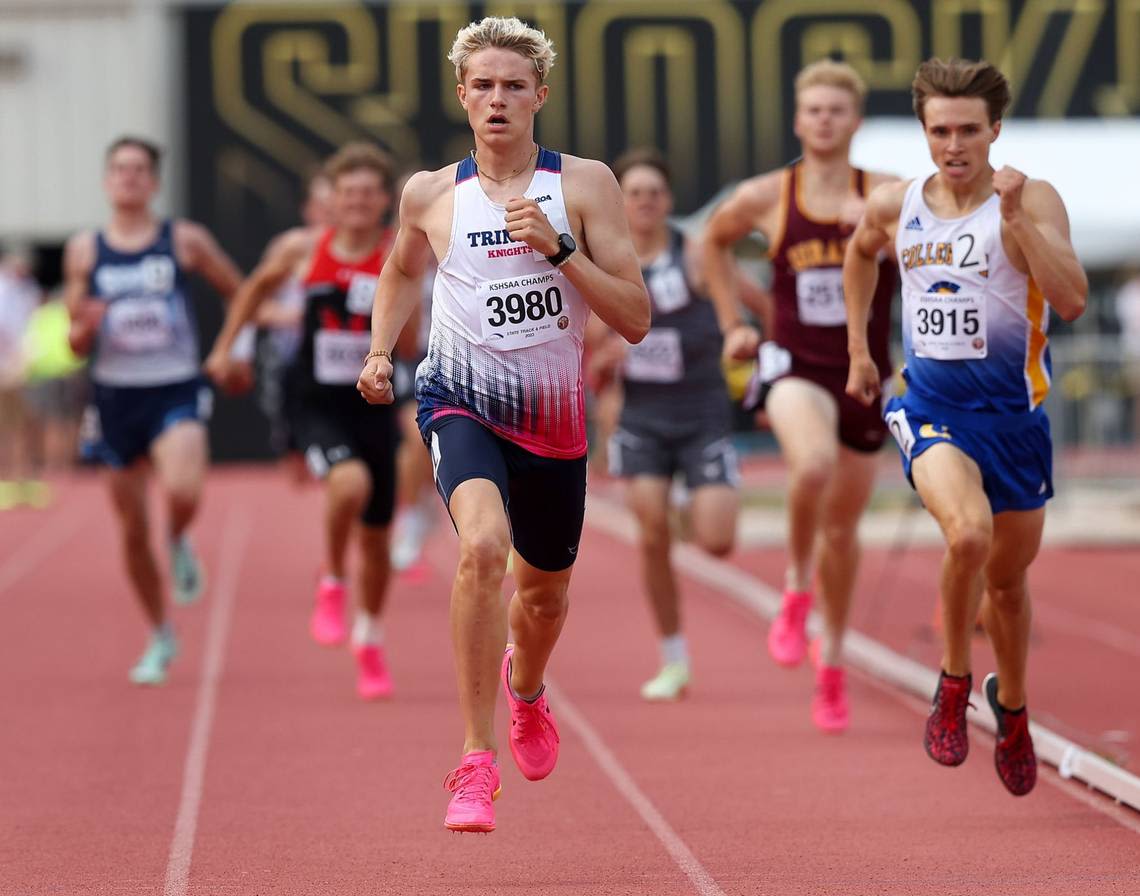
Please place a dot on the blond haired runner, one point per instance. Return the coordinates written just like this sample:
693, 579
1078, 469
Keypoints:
807, 212
529, 242
983, 255
350, 447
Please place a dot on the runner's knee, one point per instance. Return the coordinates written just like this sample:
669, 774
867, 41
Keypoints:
813, 473
483, 554
547, 603
1010, 599
716, 543
968, 542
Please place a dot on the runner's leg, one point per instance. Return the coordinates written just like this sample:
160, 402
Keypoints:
1006, 607
950, 486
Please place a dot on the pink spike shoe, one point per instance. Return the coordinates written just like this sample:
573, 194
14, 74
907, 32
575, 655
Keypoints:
534, 734
476, 787
372, 681
829, 709
327, 622
787, 639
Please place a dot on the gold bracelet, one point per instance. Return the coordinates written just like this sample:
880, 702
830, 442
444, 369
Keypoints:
379, 353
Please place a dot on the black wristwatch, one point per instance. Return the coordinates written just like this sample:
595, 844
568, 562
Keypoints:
566, 248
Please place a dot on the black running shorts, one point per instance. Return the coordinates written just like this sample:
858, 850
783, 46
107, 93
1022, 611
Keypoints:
545, 497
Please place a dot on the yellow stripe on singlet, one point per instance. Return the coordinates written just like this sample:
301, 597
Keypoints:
1035, 370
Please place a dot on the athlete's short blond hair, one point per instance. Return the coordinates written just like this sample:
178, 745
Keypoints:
829, 73
507, 34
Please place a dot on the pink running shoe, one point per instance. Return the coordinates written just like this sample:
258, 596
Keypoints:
327, 622
829, 709
476, 786
373, 681
787, 641
534, 735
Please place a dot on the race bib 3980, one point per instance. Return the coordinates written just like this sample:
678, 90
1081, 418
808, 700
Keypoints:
522, 311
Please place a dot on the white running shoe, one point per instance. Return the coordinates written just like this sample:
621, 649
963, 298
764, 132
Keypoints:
668, 684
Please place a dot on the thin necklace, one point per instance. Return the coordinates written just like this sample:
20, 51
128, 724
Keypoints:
516, 173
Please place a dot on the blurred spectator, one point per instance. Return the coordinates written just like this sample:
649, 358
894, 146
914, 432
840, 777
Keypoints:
55, 394
19, 294
1128, 315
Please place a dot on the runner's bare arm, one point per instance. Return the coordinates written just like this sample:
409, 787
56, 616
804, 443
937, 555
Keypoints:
86, 313
199, 252
271, 272
730, 222
1035, 217
607, 274
398, 288
275, 313
860, 276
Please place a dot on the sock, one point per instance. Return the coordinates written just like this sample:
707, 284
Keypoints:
366, 630
327, 579
531, 699
830, 650
1012, 712
164, 631
674, 649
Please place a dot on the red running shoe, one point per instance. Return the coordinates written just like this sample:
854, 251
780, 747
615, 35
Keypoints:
1014, 759
945, 740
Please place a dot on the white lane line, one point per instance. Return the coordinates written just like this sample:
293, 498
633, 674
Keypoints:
46, 541
1091, 629
627, 787
235, 533
878, 660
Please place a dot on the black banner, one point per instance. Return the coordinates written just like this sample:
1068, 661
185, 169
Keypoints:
273, 89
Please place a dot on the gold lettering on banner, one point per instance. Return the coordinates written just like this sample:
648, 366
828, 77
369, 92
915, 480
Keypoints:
1123, 97
678, 47
390, 115
1013, 47
769, 48
230, 99
594, 82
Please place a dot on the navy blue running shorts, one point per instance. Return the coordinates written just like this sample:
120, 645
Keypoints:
122, 422
545, 497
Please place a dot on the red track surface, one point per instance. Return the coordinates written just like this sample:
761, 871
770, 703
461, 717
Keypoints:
307, 791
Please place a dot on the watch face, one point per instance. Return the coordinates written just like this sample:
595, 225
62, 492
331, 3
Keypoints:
566, 242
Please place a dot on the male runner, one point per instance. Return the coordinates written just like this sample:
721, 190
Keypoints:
350, 446
529, 242
126, 289
675, 414
982, 254
807, 212
282, 316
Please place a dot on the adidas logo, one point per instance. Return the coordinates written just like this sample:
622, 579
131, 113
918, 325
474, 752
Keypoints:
914, 224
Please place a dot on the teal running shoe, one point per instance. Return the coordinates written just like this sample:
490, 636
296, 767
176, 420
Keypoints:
151, 667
